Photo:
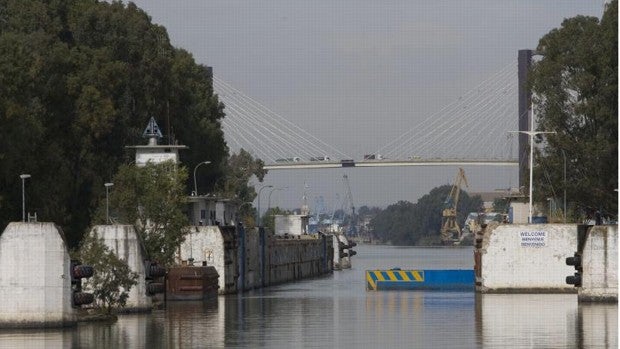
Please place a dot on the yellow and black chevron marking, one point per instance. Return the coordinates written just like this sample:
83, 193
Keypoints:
375, 276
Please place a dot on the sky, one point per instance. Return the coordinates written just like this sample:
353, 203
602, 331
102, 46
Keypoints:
360, 72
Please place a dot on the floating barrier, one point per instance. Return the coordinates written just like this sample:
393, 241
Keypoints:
397, 279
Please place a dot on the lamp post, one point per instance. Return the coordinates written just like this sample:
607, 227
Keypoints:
564, 156
23, 177
107, 201
258, 203
532, 134
195, 168
269, 197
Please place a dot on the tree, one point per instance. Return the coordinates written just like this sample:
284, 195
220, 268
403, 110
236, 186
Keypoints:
234, 183
238, 169
575, 87
112, 279
152, 198
405, 223
78, 82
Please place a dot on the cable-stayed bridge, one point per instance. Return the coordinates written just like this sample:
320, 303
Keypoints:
471, 130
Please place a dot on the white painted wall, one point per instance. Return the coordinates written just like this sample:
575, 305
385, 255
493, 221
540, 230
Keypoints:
520, 212
155, 155
124, 242
527, 257
205, 244
35, 280
291, 224
599, 260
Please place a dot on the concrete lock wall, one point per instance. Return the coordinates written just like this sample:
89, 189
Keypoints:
599, 261
212, 246
35, 280
124, 242
526, 258
295, 259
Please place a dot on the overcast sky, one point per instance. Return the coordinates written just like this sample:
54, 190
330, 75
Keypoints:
361, 72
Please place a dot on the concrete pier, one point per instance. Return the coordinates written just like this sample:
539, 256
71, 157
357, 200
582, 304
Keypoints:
524, 258
124, 242
213, 246
35, 279
599, 263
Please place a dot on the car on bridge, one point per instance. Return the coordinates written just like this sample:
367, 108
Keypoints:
320, 158
293, 159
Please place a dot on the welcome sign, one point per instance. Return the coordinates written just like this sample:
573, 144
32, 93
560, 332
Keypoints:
537, 238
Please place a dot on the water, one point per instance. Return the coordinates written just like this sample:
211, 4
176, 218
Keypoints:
337, 312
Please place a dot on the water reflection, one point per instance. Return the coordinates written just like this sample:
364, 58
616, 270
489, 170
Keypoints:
597, 326
544, 321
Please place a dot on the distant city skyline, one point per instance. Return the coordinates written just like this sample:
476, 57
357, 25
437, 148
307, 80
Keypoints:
360, 71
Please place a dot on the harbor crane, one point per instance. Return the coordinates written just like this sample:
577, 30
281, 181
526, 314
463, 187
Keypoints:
450, 230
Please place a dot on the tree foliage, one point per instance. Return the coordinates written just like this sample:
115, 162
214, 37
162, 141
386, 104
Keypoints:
112, 279
78, 82
152, 198
238, 169
576, 95
405, 223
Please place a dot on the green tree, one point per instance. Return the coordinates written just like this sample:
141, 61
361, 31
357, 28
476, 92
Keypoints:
152, 198
234, 183
238, 170
405, 223
78, 82
575, 85
112, 279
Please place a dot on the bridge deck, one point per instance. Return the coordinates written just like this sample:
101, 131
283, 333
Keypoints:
388, 163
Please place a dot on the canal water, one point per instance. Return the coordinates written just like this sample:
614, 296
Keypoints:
336, 311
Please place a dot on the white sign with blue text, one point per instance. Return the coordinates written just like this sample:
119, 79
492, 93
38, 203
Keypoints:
537, 238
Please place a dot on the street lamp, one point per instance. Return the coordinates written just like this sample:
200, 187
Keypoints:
532, 134
564, 156
269, 197
107, 201
23, 177
258, 203
195, 168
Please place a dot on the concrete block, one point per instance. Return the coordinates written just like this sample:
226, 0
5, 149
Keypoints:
599, 261
124, 242
526, 258
291, 224
35, 280
213, 246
